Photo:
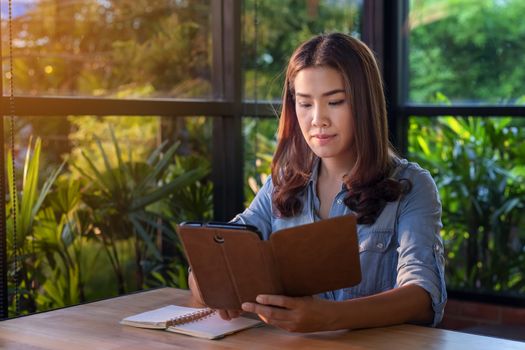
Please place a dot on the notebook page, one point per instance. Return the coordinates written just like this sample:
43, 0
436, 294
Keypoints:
213, 326
157, 318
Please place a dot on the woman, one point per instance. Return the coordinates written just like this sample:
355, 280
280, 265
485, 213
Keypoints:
333, 158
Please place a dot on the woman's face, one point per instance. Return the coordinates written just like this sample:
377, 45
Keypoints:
324, 113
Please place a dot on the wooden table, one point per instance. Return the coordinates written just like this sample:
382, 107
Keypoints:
95, 326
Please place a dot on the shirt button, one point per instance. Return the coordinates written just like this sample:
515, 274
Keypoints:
339, 201
380, 245
436, 247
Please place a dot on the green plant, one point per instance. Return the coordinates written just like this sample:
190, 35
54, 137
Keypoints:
25, 205
477, 165
125, 204
260, 146
195, 200
61, 240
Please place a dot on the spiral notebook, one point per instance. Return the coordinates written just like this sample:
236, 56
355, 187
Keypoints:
197, 322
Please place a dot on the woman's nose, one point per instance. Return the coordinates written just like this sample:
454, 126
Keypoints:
320, 117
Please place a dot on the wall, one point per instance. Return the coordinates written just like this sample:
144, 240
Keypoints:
483, 318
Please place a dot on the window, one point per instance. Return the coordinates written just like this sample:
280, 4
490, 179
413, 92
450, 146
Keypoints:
119, 49
99, 87
461, 111
267, 46
114, 114
462, 52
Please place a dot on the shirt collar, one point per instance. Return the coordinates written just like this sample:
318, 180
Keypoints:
312, 181
314, 176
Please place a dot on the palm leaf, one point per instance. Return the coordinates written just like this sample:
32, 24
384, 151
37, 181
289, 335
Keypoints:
156, 153
29, 189
166, 229
158, 169
121, 164
148, 239
46, 189
113, 181
161, 192
99, 179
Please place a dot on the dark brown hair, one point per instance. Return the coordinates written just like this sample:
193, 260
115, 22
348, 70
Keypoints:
368, 183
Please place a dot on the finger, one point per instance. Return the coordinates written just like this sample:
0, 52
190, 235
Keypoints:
284, 324
267, 313
276, 300
224, 314
248, 307
234, 313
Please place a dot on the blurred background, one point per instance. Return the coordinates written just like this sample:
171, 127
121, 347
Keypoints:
123, 118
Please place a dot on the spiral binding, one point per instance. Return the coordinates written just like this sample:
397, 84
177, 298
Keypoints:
193, 317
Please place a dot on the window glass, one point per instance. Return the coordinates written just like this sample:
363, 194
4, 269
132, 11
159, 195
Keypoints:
260, 142
113, 189
478, 164
463, 51
274, 28
118, 49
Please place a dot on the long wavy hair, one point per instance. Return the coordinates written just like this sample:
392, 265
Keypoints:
368, 183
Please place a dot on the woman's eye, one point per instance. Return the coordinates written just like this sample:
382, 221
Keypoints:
335, 103
304, 104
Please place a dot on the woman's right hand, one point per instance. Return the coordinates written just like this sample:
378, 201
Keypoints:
229, 314
195, 291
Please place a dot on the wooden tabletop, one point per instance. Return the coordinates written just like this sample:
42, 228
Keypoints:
95, 326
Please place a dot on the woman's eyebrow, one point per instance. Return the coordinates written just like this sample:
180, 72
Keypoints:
328, 93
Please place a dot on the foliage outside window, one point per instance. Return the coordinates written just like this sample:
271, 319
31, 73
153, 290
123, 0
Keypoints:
469, 51
120, 49
100, 197
465, 52
102, 222
478, 165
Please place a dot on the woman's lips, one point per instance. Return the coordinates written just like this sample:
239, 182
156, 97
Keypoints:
323, 139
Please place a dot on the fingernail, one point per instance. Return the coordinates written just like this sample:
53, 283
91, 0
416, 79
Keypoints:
259, 299
246, 306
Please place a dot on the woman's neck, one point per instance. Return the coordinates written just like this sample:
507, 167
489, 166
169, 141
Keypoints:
334, 170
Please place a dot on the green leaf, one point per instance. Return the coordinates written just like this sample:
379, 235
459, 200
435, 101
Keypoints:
99, 180
424, 145
148, 239
156, 153
459, 129
158, 169
121, 164
46, 189
112, 179
165, 190
518, 171
29, 189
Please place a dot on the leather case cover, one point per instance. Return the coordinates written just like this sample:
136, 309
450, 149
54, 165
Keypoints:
234, 266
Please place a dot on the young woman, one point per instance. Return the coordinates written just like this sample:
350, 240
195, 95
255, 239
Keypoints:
333, 158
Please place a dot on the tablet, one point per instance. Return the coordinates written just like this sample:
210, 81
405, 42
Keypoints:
232, 265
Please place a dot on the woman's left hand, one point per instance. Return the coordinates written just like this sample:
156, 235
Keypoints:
304, 314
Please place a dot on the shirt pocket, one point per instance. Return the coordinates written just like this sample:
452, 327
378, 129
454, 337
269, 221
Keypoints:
378, 258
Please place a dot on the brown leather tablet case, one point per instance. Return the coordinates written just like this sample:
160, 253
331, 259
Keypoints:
233, 266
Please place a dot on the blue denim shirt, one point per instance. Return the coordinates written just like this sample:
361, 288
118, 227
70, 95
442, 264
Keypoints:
402, 247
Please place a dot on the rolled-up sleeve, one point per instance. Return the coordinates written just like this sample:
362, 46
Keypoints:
259, 213
421, 254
